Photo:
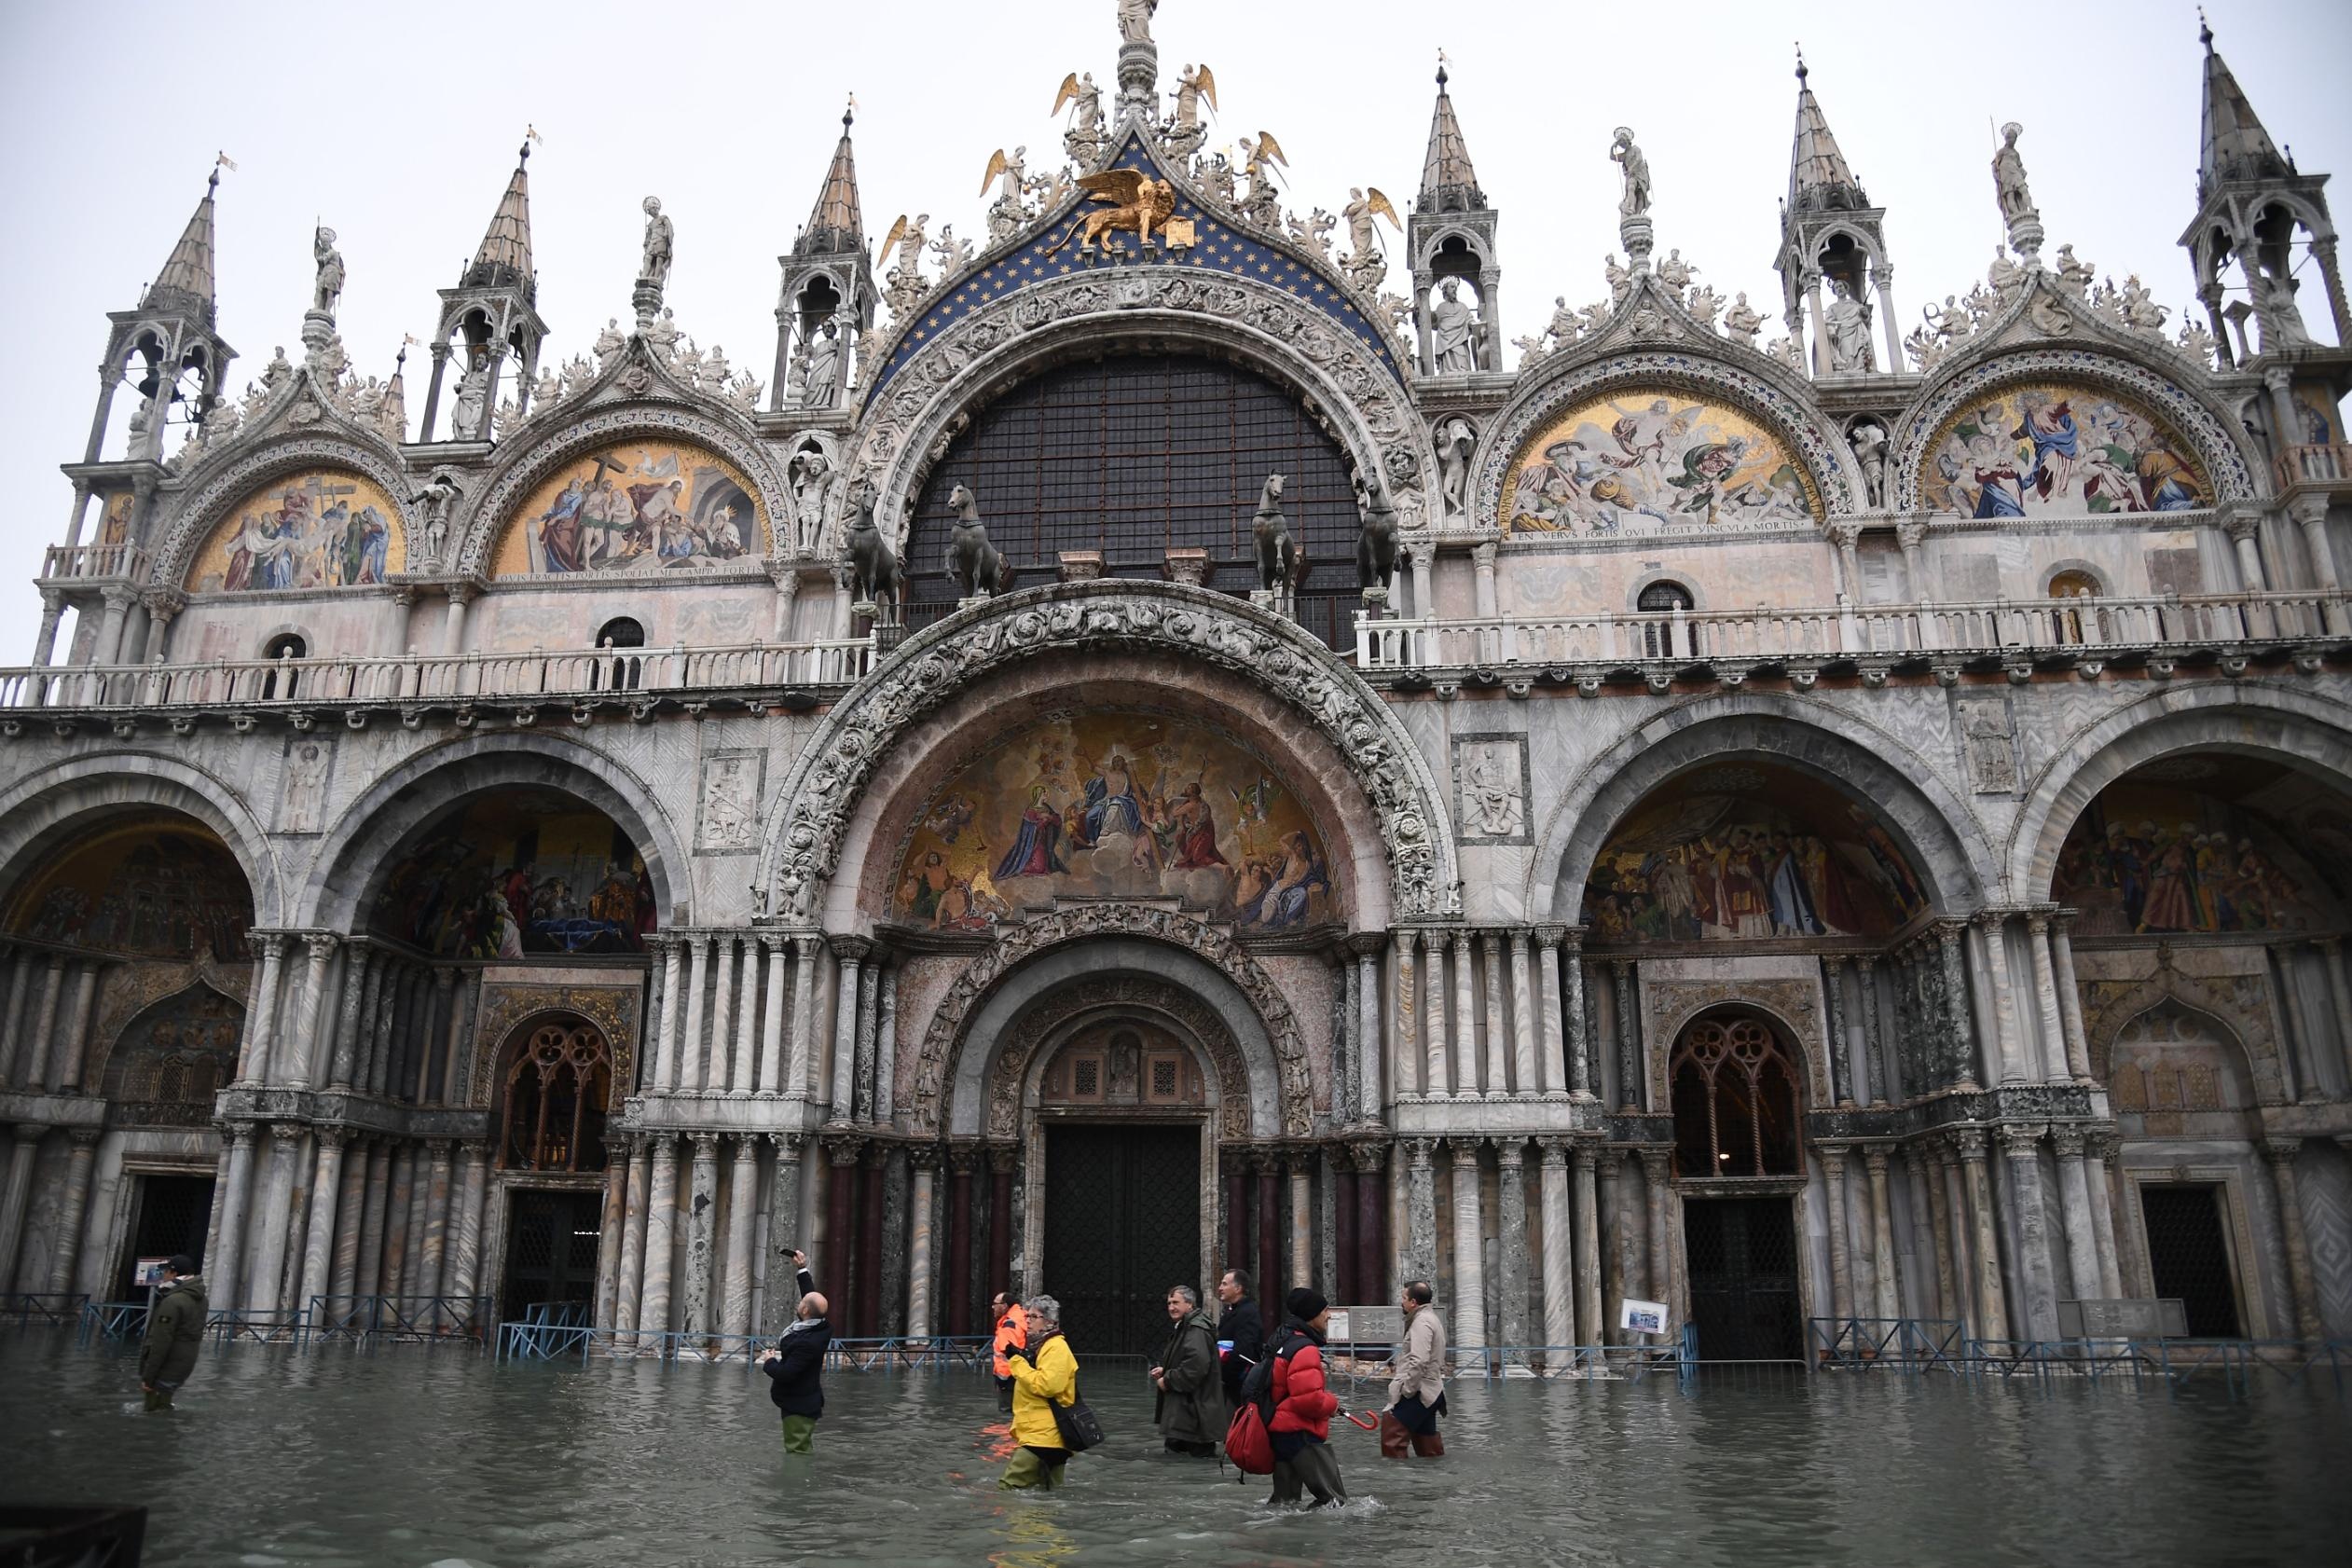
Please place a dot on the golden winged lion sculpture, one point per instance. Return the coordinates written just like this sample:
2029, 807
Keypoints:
1136, 201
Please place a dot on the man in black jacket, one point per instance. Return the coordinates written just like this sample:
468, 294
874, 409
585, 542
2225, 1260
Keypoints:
1241, 1333
796, 1364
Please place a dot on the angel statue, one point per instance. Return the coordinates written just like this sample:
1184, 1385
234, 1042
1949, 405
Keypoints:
1262, 206
907, 237
1135, 20
1007, 212
1622, 151
1184, 130
1365, 265
1082, 138
1131, 200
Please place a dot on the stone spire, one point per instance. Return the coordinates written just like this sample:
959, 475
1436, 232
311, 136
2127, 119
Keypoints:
2234, 146
1447, 183
503, 258
185, 282
835, 224
1818, 179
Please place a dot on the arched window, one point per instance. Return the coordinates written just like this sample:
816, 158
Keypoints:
1735, 1101
614, 669
2071, 621
1662, 600
285, 650
556, 1095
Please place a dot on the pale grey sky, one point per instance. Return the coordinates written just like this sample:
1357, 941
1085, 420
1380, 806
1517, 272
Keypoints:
397, 126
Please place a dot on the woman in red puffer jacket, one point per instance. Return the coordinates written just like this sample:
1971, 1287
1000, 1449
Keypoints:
1304, 1407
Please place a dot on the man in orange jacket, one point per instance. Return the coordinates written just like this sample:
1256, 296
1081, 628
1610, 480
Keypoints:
1013, 1333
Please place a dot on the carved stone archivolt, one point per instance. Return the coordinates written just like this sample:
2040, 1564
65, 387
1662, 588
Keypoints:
1043, 1027
2223, 458
805, 837
2239, 1004
613, 1008
1669, 1006
212, 491
944, 1040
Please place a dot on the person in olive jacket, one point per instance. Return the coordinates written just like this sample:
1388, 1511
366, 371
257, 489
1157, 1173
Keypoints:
1191, 1411
796, 1364
174, 1331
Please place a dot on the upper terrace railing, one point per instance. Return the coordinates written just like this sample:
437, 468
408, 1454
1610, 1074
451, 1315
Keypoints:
2080, 626
2329, 464
626, 674
96, 561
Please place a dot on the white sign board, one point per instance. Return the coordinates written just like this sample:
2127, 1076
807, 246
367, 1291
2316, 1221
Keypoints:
1336, 1329
148, 1271
1642, 1317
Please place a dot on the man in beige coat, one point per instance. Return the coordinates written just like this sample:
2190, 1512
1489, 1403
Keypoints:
1417, 1392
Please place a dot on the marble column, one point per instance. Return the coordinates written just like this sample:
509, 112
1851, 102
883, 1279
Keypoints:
1965, 1045
702, 1195
661, 1236
886, 1043
1613, 1281
1550, 1047
1576, 1013
1931, 1225
22, 971
1439, 1057
350, 1220
470, 1196
1465, 1019
1952, 1195
1270, 1283
389, 979
1658, 1195
2095, 1158
2054, 1064
359, 985
15, 1197
327, 1193
871, 1175
1469, 1249
2078, 1049
2021, 1143
694, 1046
304, 1057
1403, 1068
2331, 956
1866, 981
1496, 1031
1302, 1269
1984, 1242
1511, 1253
464, 1002
848, 954
615, 1218
2293, 1234
956, 1289
743, 1206
1368, 1033
434, 1255
2007, 1023
771, 1075
1421, 1211
629, 1287
400, 1238
1371, 1210
1890, 1296
664, 1074
2074, 1198
1588, 1242
863, 1056
1841, 1271
797, 1080
1003, 1159
433, 1036
1841, 1048
261, 1012
73, 1201
73, 1047
267, 1291
367, 1269
722, 1016
784, 1206
1629, 1038
922, 1186
1558, 1237
37, 1060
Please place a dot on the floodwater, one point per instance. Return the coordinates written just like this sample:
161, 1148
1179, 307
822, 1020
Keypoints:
411, 1457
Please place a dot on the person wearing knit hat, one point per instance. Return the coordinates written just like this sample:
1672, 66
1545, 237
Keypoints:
1300, 1429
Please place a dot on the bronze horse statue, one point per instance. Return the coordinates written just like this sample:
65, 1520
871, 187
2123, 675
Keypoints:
971, 560
873, 567
1376, 553
1280, 562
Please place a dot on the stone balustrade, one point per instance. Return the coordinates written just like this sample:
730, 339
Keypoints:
114, 562
2082, 628
626, 674
2326, 466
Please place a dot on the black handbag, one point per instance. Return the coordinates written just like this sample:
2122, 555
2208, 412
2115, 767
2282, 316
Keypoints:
1076, 1422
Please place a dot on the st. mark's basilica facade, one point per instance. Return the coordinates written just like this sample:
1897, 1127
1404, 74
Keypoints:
1152, 741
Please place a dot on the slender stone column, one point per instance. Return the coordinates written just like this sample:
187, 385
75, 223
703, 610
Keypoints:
956, 1290
434, 1255
2021, 1143
1550, 1065
1992, 927
1931, 1225
2095, 1157
351, 1221
465, 999
1368, 1032
1612, 1271
469, 1194
1269, 1226
1405, 946
261, 1016
614, 1224
702, 1197
840, 1251
1629, 1038
723, 1007
1495, 1032
1510, 1218
1465, 1019
390, 983
367, 1273
401, 1239
74, 1045
628, 1289
2078, 1049
302, 1062
1552, 1199
863, 1056
1588, 1244
1523, 1022
1371, 1210
22, 973
2074, 1198
1421, 1211
848, 954
73, 1201
1841, 1272
1948, 936
2332, 957
661, 1236
1577, 1006
1440, 1060
1889, 1303
870, 1306
664, 1078
2045, 986
1301, 1164
234, 1202
327, 1193
924, 1164
1952, 1203
436, 1034
1658, 1194
359, 985
2294, 1235
1984, 1243
1469, 1248
1841, 1049
694, 1049
1002, 1159
267, 1292
772, 1017
1866, 978
796, 1071
36, 1060
885, 1041
743, 1204
784, 1221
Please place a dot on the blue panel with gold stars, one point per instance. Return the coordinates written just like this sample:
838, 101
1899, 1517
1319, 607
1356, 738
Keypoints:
1218, 246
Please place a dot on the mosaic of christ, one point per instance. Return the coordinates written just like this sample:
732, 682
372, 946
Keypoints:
1645, 462
2060, 450
1114, 806
325, 528
637, 506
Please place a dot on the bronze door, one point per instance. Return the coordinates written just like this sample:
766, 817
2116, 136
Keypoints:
551, 1249
2190, 1258
1122, 1223
1742, 1265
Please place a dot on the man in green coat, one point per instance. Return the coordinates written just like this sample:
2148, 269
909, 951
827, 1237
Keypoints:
174, 1331
1191, 1412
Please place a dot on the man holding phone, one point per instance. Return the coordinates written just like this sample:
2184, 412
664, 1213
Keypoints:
795, 1365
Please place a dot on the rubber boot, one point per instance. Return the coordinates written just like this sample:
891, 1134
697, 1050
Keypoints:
1394, 1437
1429, 1445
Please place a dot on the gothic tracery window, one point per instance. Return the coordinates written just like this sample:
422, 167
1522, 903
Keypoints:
1735, 1101
555, 1096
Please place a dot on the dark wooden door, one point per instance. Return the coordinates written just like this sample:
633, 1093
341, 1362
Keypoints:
551, 1249
173, 1213
1742, 1266
1122, 1223
2190, 1258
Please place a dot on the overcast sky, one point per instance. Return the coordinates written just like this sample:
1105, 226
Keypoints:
398, 125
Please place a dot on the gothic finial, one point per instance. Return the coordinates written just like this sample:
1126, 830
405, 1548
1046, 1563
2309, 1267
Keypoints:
850, 114
1441, 69
2205, 31
1800, 64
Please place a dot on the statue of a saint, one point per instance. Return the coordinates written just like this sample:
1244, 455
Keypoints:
1455, 439
2009, 176
466, 421
824, 367
1743, 321
1135, 20
660, 235
1847, 323
1454, 331
1193, 83
1623, 152
329, 285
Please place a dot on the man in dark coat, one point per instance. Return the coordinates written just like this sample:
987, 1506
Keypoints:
1241, 1333
796, 1364
174, 1331
1191, 1411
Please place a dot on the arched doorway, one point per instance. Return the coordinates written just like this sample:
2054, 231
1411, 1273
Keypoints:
556, 1092
1736, 1098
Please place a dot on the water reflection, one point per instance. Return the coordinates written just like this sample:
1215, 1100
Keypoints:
413, 1457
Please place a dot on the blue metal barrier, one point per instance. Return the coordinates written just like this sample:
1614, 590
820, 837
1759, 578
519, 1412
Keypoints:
112, 1320
412, 1319
1907, 1345
41, 1309
262, 1326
